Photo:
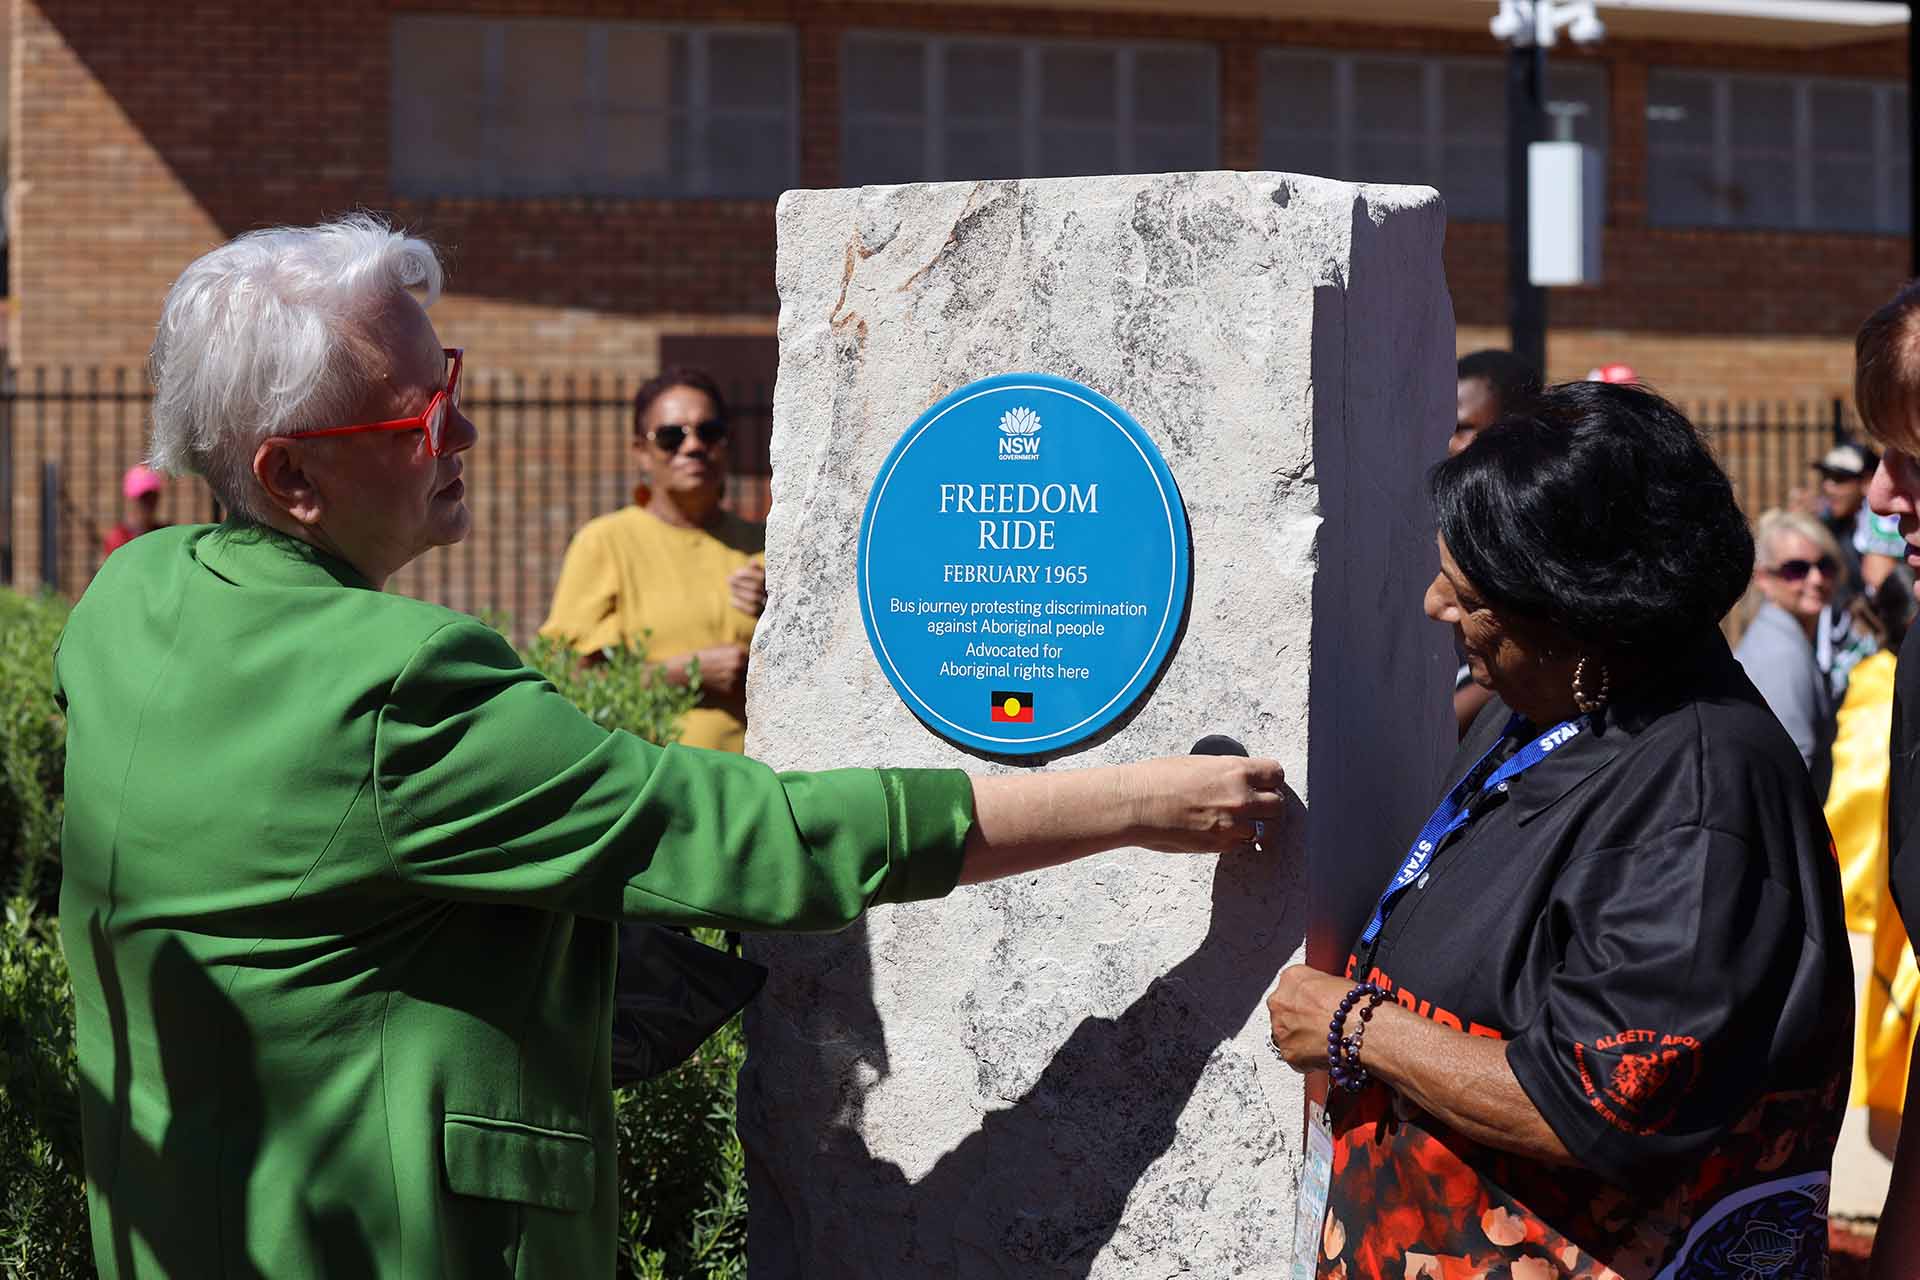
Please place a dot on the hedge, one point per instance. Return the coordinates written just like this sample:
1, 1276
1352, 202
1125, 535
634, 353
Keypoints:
682, 1178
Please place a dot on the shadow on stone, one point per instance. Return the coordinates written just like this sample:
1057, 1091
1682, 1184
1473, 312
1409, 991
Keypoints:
1039, 1189
1386, 678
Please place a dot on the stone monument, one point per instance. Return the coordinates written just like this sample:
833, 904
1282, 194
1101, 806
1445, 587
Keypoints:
1067, 1074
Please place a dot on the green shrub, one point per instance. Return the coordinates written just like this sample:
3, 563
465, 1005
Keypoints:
33, 751
43, 1194
682, 1178
620, 691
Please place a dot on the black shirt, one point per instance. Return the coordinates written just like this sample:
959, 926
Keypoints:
1651, 918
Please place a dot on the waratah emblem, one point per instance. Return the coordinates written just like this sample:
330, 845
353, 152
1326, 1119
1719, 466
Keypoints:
1020, 421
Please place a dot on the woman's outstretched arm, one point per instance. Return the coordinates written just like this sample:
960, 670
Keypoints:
1181, 804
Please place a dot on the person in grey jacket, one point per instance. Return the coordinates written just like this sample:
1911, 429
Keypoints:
1796, 569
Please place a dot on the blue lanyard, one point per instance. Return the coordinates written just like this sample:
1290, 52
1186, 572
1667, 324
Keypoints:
1453, 812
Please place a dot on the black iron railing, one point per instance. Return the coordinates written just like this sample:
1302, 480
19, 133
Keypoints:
554, 453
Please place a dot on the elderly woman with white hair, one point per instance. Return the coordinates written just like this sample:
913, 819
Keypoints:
342, 874
1796, 568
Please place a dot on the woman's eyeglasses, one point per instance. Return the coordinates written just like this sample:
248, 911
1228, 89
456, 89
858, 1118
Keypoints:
432, 419
1795, 570
668, 439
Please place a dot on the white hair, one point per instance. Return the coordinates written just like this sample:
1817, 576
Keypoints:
268, 334
1777, 524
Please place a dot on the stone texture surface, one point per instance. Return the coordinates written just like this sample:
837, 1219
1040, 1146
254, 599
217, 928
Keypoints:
1066, 1074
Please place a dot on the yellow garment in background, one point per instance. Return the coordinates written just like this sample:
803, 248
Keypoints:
632, 580
1857, 816
1883, 1046
1857, 797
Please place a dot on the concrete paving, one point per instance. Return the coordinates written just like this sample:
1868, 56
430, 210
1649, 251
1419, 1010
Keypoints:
1859, 1171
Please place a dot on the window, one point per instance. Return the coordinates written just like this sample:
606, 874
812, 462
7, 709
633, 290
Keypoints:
1438, 122
540, 107
1727, 150
949, 108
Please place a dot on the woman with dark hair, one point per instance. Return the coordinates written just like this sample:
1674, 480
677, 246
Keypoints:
675, 574
1598, 1023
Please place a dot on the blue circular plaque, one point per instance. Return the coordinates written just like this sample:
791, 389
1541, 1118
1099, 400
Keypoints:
1023, 564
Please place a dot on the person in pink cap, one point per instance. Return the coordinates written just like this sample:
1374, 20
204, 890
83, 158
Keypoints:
141, 487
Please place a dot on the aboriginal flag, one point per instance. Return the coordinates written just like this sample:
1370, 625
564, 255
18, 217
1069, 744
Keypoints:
1015, 707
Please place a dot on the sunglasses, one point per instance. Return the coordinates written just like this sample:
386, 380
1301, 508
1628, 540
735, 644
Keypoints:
668, 439
432, 419
1794, 570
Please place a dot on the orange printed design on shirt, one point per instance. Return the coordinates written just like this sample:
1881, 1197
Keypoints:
1636, 1079
1425, 1008
1416, 1200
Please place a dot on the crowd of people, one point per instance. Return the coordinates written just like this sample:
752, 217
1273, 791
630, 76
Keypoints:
351, 894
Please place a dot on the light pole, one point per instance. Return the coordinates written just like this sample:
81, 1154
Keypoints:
1913, 141
1530, 28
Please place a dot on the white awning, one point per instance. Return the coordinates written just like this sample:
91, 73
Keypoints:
1799, 24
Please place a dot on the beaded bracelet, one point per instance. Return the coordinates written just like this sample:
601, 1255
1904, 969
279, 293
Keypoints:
1343, 1051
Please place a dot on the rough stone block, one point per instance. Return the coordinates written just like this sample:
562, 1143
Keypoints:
1066, 1074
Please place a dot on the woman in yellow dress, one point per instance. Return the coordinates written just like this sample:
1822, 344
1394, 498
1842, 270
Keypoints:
675, 575
1857, 815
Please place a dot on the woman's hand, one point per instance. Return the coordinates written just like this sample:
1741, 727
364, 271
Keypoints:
723, 672
1181, 804
747, 588
1299, 1009
1461, 1080
1204, 804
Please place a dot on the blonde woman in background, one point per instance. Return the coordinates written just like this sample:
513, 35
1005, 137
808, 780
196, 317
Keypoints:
1796, 568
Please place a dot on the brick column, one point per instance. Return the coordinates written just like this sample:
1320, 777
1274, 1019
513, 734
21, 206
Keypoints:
1239, 106
1627, 144
820, 102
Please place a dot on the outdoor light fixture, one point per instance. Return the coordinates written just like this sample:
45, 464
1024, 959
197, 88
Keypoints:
1560, 176
1531, 22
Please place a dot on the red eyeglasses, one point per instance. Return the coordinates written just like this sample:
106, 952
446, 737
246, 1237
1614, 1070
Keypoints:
432, 419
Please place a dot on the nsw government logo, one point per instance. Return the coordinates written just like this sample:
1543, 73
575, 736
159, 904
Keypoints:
1019, 435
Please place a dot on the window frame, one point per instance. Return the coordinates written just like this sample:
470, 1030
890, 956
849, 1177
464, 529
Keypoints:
1341, 127
1030, 121
1720, 152
695, 183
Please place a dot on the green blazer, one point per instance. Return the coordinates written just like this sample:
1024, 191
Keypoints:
341, 883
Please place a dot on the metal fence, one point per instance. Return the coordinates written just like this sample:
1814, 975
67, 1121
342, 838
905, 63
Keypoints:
554, 453
1769, 448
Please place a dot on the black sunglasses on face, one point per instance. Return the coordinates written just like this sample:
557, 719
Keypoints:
1794, 570
668, 439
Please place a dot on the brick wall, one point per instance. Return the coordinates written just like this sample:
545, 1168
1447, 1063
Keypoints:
141, 139
1699, 371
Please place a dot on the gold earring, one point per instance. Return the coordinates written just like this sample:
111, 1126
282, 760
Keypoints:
1585, 700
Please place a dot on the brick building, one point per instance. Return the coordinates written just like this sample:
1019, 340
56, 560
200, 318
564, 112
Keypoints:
602, 173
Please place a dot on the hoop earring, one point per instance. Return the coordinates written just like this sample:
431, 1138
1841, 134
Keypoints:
1585, 700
